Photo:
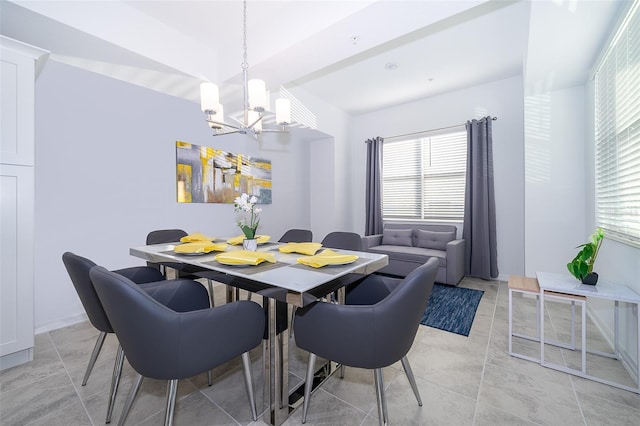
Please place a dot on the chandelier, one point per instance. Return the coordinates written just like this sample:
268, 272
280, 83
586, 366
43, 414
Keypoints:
254, 101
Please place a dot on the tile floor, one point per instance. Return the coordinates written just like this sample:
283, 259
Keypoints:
463, 381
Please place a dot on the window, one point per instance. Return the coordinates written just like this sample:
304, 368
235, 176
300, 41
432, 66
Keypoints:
424, 179
617, 99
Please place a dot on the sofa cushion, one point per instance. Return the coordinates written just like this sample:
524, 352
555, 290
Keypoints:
434, 240
418, 255
397, 237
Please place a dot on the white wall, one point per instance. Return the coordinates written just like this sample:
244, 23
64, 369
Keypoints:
503, 99
105, 177
555, 162
329, 168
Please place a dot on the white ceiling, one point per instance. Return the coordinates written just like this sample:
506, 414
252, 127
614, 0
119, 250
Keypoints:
437, 46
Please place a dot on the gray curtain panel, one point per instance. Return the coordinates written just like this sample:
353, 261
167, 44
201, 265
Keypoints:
373, 223
479, 229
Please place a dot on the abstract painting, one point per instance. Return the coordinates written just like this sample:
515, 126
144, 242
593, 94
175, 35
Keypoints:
209, 175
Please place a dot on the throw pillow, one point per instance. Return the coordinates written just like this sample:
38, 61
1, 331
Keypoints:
434, 240
397, 237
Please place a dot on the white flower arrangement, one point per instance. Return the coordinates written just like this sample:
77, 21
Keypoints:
250, 221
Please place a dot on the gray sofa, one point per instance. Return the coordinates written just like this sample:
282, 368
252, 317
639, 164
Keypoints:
409, 246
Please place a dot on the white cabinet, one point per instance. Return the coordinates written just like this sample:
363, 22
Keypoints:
18, 68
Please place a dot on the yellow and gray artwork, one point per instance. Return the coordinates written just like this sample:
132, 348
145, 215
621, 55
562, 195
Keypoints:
209, 175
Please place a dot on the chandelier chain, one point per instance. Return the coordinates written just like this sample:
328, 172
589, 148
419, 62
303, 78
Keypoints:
244, 64
254, 111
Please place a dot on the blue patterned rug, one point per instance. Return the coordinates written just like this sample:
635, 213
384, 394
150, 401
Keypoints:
452, 308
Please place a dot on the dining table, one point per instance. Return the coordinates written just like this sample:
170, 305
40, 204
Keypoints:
284, 283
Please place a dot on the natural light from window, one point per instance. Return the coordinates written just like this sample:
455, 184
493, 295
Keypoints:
423, 179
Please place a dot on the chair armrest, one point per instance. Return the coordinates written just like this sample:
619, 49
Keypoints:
371, 290
216, 335
455, 261
141, 274
371, 241
331, 331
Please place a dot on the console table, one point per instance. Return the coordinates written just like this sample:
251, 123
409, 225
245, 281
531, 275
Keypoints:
566, 284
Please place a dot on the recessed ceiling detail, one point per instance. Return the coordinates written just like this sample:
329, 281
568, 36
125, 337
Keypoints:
331, 50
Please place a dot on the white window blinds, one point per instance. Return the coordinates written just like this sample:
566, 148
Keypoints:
424, 179
617, 83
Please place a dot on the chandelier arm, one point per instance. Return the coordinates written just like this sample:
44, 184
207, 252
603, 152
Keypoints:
222, 123
283, 130
240, 123
250, 126
229, 132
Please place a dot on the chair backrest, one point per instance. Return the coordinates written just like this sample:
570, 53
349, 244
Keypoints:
78, 268
368, 336
401, 311
343, 240
160, 236
164, 344
296, 236
165, 236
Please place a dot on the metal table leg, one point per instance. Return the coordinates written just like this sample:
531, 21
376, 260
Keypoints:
276, 368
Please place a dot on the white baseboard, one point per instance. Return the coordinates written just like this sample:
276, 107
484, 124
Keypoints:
16, 358
65, 322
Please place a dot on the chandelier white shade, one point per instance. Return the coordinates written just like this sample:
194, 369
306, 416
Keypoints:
255, 102
283, 111
257, 95
209, 97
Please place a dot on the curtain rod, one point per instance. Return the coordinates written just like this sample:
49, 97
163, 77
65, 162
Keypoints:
430, 130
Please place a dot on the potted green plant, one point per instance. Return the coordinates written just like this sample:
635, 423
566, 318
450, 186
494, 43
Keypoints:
249, 219
581, 266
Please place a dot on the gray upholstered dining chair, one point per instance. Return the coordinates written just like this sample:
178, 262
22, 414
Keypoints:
180, 295
337, 240
343, 240
346, 241
163, 344
161, 236
296, 236
374, 330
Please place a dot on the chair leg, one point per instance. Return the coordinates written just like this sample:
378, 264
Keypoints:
94, 355
342, 371
172, 392
293, 317
130, 398
211, 301
308, 385
115, 382
412, 380
212, 304
248, 381
382, 401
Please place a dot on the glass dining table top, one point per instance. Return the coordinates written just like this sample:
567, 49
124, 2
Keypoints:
285, 273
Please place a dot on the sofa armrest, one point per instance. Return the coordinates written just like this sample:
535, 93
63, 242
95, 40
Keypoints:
371, 241
455, 261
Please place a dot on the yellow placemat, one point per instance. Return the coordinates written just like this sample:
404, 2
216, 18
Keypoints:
244, 257
199, 247
238, 240
197, 236
302, 248
327, 257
